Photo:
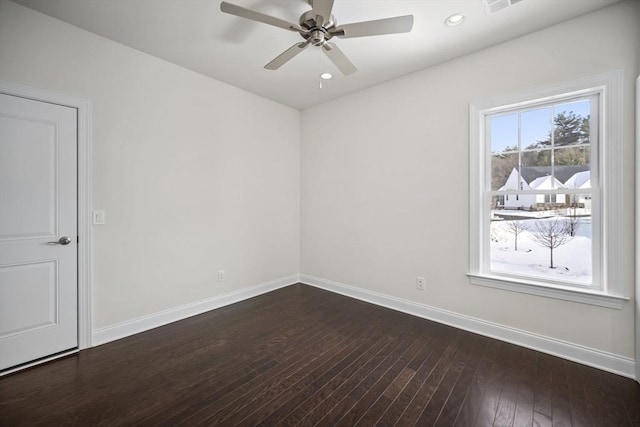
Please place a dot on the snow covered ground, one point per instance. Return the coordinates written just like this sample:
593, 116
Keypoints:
540, 214
572, 261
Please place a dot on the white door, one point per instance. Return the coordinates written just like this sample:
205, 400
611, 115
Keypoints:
38, 230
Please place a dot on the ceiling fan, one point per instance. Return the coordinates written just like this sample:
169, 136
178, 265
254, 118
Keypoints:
317, 26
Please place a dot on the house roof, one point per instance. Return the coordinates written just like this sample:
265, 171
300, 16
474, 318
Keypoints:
562, 172
578, 180
539, 183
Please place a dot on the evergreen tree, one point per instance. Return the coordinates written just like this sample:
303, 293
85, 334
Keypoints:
569, 129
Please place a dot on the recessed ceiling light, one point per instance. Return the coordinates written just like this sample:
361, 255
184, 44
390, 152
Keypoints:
326, 76
454, 20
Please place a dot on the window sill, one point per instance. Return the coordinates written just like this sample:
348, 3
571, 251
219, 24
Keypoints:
576, 295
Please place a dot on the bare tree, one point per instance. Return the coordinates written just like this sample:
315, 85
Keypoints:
552, 234
573, 219
516, 227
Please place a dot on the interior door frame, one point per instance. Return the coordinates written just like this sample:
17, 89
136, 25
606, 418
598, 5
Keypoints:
85, 194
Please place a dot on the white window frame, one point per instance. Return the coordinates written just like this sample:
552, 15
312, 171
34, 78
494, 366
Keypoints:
607, 289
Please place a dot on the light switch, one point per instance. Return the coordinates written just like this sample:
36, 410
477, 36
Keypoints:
98, 217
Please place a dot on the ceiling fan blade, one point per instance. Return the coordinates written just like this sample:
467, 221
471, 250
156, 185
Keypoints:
287, 55
399, 24
322, 11
339, 59
257, 16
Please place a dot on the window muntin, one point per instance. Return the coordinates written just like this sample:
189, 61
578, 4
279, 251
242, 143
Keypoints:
541, 183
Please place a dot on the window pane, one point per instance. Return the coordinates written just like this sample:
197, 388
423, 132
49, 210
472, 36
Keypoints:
536, 170
573, 166
504, 171
579, 156
504, 133
536, 128
571, 123
551, 239
537, 158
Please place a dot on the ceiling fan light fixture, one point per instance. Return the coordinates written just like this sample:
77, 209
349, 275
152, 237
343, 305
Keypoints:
454, 20
326, 76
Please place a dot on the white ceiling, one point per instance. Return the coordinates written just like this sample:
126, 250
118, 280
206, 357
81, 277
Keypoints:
196, 35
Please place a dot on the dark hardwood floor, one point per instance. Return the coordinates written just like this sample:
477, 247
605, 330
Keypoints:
303, 356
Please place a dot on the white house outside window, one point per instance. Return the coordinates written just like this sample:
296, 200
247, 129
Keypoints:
543, 203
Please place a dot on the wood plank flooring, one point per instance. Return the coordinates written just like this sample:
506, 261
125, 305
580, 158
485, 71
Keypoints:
303, 356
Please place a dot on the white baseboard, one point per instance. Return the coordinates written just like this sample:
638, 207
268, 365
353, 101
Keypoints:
120, 330
598, 359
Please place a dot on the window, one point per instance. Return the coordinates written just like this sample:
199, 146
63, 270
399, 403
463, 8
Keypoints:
541, 151
558, 236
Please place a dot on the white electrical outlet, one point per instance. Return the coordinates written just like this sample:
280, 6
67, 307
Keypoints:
220, 275
420, 283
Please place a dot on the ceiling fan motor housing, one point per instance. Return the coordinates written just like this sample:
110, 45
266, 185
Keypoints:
317, 35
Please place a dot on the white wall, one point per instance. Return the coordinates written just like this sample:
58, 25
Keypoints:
195, 176
385, 196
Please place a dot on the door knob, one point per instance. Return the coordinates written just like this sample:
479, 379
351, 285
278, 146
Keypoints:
64, 240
